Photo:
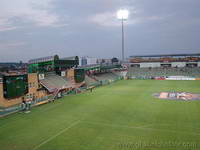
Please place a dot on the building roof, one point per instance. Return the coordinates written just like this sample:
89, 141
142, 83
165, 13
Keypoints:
42, 59
70, 58
167, 55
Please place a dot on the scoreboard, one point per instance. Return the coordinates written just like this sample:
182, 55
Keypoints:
15, 86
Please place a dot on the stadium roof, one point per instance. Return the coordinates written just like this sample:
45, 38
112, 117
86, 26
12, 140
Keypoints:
41, 59
89, 67
166, 55
70, 58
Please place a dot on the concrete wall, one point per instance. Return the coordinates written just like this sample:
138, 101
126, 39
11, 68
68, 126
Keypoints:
158, 64
178, 64
91, 60
147, 65
87, 61
32, 86
70, 73
198, 64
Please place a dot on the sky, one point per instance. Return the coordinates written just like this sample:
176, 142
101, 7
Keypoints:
38, 28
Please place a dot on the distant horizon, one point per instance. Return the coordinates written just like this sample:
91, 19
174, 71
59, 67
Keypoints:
107, 57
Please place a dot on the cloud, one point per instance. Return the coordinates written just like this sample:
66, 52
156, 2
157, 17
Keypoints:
7, 28
41, 18
104, 19
5, 25
31, 12
110, 19
11, 45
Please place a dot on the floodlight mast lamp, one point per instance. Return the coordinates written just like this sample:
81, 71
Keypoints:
122, 15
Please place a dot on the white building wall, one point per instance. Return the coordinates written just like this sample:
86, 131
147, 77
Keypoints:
147, 65
198, 64
79, 61
88, 60
91, 60
178, 64
158, 64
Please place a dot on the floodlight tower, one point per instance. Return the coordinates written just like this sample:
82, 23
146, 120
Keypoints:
122, 15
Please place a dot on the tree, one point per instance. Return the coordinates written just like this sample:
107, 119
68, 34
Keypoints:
114, 60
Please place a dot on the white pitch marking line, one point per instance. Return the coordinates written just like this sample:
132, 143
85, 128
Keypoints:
144, 126
165, 124
59, 133
140, 127
117, 125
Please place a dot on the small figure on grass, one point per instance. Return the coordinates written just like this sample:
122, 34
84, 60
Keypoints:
28, 107
23, 105
91, 88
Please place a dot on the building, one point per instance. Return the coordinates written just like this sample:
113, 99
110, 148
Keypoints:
87, 61
45, 79
156, 61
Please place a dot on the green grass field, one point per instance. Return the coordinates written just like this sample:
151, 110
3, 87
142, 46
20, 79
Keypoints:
121, 116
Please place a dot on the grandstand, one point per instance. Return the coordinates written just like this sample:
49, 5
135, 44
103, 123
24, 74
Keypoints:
89, 80
51, 77
159, 72
101, 73
148, 66
53, 81
165, 58
46, 77
106, 76
121, 73
51, 63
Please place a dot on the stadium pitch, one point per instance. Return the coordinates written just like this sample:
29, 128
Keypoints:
120, 116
